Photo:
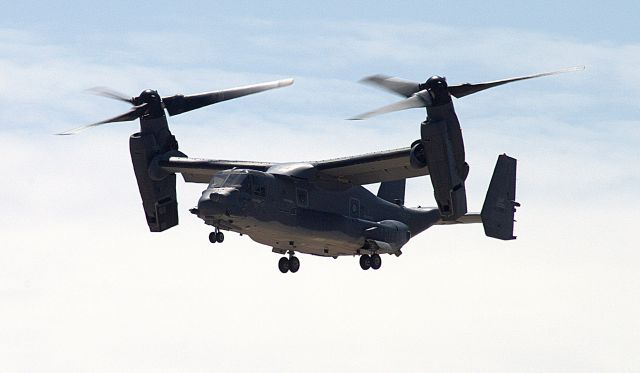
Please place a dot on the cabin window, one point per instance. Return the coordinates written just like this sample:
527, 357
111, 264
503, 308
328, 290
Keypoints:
302, 197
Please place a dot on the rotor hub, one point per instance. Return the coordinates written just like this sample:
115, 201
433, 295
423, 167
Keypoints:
153, 101
437, 88
148, 96
436, 82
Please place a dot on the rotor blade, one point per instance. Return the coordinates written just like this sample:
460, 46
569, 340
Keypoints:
414, 101
466, 89
135, 113
397, 85
110, 93
180, 104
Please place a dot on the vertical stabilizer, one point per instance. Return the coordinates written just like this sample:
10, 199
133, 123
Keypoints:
500, 205
393, 191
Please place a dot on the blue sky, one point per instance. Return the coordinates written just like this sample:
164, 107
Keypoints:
591, 20
84, 285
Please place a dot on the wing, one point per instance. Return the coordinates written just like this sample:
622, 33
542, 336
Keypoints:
201, 170
371, 168
362, 169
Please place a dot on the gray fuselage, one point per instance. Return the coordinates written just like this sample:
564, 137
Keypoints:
326, 218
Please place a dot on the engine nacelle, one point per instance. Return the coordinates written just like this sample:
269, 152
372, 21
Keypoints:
447, 168
157, 187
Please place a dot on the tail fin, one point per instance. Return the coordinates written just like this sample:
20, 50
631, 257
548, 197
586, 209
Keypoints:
499, 205
393, 191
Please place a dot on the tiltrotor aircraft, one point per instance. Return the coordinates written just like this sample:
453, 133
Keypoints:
321, 207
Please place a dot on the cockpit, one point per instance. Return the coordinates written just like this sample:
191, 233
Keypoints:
244, 181
230, 179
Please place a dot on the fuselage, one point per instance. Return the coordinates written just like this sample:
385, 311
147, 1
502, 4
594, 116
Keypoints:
325, 218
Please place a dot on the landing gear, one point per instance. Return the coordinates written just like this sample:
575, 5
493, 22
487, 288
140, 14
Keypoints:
292, 263
283, 265
365, 262
216, 236
374, 261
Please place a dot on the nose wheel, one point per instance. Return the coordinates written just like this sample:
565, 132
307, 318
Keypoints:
292, 263
216, 236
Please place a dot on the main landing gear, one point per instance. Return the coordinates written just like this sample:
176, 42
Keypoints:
374, 261
216, 236
292, 263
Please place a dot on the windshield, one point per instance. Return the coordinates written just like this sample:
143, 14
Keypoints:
225, 179
235, 180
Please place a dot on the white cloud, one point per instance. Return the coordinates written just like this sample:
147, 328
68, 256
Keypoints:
84, 287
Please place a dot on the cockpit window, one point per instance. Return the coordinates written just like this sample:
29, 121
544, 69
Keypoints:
235, 180
228, 179
218, 180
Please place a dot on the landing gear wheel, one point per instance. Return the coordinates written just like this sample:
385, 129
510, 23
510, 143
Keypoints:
213, 237
294, 264
365, 262
219, 237
283, 265
376, 261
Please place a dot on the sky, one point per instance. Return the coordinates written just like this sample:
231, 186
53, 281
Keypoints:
84, 286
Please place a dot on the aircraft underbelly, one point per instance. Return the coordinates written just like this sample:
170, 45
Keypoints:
305, 240
308, 232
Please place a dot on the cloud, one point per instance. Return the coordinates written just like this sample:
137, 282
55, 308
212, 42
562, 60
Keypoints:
84, 286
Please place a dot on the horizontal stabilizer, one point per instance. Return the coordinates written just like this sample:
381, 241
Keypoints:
500, 205
469, 218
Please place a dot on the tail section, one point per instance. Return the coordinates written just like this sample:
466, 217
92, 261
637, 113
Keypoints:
393, 191
500, 205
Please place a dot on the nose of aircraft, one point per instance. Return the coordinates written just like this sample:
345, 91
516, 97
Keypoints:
219, 201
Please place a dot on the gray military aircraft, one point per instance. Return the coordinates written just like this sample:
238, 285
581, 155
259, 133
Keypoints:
320, 207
